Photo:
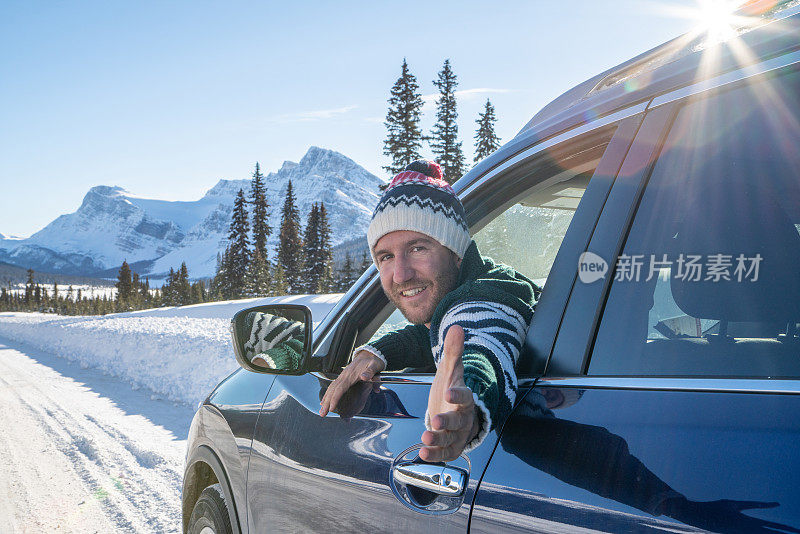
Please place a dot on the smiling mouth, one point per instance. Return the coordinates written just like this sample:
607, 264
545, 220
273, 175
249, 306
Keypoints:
413, 291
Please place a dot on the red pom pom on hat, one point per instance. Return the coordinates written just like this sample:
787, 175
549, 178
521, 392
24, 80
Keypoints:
427, 167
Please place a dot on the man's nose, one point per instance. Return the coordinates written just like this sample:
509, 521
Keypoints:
403, 271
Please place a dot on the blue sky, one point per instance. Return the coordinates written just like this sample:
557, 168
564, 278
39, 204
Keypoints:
166, 98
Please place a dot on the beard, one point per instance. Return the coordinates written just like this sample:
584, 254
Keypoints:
421, 312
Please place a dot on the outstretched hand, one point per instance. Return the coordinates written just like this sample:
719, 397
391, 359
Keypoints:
451, 407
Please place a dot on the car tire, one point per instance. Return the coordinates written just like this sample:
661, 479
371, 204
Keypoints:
210, 513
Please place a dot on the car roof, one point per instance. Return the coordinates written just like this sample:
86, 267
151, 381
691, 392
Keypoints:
670, 66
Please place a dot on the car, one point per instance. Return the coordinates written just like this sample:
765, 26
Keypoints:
658, 204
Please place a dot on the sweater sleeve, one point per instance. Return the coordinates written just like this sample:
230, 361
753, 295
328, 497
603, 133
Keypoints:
493, 337
406, 347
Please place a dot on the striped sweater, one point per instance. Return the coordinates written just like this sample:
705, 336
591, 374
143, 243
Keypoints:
494, 305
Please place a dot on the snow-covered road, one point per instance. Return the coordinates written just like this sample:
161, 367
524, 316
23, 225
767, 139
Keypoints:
84, 452
93, 430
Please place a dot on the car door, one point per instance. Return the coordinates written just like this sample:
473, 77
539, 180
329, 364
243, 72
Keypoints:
340, 473
671, 396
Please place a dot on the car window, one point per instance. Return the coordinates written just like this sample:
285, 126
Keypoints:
708, 282
526, 236
526, 230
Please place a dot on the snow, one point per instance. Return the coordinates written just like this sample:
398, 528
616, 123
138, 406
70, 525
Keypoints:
177, 353
96, 411
113, 224
83, 453
4, 237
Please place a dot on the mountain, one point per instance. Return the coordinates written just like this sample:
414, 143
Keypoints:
113, 225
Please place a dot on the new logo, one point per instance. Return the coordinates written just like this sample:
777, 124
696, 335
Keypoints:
591, 267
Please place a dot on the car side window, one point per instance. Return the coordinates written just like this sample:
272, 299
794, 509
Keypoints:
525, 236
527, 230
707, 283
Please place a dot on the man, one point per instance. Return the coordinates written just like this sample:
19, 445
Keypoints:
469, 316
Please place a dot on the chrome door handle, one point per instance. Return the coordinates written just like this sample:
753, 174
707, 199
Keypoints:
438, 479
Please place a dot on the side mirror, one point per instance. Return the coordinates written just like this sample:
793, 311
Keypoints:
273, 339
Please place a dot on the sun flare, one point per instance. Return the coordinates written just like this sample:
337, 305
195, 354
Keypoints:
717, 18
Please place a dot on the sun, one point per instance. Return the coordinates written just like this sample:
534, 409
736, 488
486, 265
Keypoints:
717, 18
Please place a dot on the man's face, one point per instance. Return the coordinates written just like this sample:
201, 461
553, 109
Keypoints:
416, 272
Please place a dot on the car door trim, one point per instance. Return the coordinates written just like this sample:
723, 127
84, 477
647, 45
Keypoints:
722, 80
606, 120
730, 385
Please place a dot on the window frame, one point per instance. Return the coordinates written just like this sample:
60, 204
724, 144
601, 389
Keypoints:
575, 340
504, 185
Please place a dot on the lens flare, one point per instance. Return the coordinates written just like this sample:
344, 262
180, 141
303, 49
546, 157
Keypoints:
631, 85
717, 18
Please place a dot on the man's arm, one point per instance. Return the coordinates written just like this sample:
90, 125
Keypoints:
407, 347
493, 337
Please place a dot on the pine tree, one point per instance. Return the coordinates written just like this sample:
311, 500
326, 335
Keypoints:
279, 286
220, 285
486, 141
258, 279
366, 261
239, 253
404, 137
318, 256
311, 251
290, 246
258, 199
135, 300
183, 291
325, 262
168, 289
29, 286
124, 283
444, 136
198, 293
146, 295
346, 275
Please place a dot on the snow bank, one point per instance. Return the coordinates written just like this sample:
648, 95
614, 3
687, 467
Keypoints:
179, 353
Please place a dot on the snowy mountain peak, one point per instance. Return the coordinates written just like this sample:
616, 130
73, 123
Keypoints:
112, 224
287, 166
107, 190
105, 199
315, 153
225, 188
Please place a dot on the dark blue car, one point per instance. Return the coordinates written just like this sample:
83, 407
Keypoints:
659, 205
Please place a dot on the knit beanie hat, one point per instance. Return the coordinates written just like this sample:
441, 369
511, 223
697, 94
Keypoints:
419, 199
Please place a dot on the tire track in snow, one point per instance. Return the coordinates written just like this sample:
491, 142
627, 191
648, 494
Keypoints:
128, 468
